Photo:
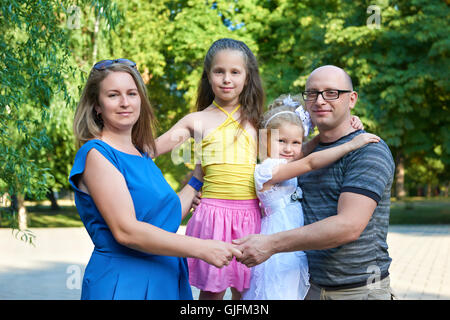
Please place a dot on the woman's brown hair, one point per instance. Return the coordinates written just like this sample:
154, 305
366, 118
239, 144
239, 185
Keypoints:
87, 125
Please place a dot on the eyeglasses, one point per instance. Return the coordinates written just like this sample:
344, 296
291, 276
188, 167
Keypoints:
102, 65
326, 94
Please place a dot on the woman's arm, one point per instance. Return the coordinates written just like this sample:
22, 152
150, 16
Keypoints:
353, 214
318, 159
180, 132
108, 188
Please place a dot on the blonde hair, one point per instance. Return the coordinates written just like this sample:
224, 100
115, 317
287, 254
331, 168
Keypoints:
279, 113
87, 125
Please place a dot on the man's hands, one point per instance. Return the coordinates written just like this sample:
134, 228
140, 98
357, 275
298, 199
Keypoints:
250, 250
256, 248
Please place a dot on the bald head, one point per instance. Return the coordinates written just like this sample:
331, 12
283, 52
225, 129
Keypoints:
337, 74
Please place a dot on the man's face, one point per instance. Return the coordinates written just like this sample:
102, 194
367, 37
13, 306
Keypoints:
330, 114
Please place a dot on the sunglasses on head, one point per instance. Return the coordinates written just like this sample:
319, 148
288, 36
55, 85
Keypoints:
102, 65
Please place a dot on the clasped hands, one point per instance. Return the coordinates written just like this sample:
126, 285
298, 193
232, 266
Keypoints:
250, 250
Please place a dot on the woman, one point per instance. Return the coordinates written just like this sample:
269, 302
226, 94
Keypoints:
127, 207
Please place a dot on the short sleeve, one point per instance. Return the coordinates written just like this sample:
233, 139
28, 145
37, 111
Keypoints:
80, 160
369, 171
263, 171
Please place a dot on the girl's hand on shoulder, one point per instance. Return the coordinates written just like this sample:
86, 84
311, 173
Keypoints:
356, 123
363, 139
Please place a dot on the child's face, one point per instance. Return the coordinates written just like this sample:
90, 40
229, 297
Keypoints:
227, 76
287, 144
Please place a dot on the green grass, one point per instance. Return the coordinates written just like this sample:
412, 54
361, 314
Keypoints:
41, 216
420, 211
409, 211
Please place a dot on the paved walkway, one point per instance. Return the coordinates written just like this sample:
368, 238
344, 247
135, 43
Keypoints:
54, 268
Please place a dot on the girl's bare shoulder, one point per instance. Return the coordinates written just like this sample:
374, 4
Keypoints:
207, 110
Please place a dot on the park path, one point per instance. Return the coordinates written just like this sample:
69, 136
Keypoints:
53, 269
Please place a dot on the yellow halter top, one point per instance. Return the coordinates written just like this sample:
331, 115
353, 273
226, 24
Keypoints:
228, 160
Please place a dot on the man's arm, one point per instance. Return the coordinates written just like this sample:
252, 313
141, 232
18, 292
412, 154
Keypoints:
354, 213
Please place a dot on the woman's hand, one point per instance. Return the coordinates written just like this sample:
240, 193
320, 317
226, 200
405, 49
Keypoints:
219, 253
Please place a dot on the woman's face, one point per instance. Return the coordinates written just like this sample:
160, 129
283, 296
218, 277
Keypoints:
119, 102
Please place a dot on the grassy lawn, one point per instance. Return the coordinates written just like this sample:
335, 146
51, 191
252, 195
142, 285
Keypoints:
41, 216
420, 211
409, 211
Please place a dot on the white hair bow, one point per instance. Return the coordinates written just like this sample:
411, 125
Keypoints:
289, 102
306, 119
302, 113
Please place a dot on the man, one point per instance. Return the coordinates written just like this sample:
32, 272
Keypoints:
346, 205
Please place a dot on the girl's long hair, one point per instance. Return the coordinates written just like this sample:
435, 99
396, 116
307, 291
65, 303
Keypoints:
251, 98
87, 125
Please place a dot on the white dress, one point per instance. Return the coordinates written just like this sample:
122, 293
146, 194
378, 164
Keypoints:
284, 276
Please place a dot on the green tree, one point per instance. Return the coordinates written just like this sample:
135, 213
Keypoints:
396, 64
34, 51
168, 40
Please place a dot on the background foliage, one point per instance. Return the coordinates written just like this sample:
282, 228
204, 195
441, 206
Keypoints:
399, 67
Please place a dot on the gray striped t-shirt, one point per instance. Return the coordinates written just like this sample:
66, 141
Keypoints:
368, 171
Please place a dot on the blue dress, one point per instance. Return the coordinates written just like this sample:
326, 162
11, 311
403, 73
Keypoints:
284, 276
115, 271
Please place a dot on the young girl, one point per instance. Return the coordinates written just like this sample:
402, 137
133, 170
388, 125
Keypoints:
285, 275
230, 103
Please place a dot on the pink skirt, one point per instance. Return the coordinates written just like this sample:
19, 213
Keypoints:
224, 220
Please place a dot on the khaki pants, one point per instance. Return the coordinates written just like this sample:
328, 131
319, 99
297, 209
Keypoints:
376, 291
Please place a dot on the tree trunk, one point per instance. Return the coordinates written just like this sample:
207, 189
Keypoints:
429, 190
18, 205
400, 177
94, 38
53, 200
